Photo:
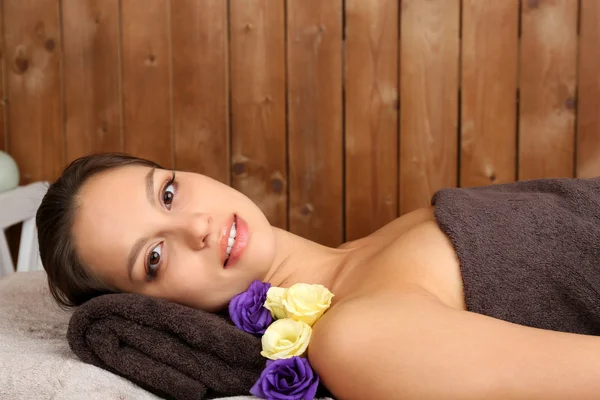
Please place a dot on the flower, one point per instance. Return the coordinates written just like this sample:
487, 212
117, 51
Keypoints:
287, 379
274, 302
285, 338
306, 303
246, 309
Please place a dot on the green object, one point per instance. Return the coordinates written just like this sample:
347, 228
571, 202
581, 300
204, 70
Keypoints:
9, 172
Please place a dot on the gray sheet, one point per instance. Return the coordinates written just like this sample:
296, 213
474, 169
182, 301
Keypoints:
35, 359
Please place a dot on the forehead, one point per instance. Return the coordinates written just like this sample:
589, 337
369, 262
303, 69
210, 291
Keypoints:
106, 193
117, 178
112, 207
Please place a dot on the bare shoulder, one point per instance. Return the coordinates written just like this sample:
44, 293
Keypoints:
404, 223
410, 345
395, 228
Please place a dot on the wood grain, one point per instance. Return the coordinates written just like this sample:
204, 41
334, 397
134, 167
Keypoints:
588, 113
32, 46
489, 56
371, 84
147, 80
303, 119
200, 99
3, 102
258, 105
429, 58
91, 77
547, 88
13, 233
314, 40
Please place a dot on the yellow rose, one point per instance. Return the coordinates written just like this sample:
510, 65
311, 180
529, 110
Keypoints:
285, 338
306, 303
274, 302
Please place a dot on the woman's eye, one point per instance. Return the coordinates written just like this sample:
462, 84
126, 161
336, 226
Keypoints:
168, 195
153, 261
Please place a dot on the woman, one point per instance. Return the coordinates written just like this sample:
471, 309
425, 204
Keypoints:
399, 326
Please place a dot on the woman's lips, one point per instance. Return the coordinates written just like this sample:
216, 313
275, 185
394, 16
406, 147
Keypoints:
241, 241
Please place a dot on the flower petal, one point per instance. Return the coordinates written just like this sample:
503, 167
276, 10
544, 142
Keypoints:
246, 309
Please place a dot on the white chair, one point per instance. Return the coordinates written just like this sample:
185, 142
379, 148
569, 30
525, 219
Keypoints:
20, 205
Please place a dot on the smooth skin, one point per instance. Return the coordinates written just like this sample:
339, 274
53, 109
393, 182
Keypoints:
398, 327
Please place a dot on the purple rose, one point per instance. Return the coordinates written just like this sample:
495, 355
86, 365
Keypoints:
287, 379
246, 309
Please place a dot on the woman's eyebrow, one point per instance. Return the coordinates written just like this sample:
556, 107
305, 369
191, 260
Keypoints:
139, 244
133, 255
150, 185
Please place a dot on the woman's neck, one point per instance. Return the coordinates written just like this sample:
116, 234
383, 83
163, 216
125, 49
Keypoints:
299, 260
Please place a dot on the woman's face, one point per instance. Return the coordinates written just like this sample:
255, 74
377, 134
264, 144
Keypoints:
142, 231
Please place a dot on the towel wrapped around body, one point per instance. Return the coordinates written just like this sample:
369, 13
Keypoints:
171, 350
529, 251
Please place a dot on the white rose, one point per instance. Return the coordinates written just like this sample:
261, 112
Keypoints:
306, 302
274, 302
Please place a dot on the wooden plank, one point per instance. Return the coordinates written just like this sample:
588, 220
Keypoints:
91, 70
200, 101
258, 105
314, 32
588, 113
489, 92
429, 58
3, 102
12, 234
547, 88
371, 83
147, 80
32, 43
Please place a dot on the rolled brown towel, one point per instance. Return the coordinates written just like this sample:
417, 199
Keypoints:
171, 350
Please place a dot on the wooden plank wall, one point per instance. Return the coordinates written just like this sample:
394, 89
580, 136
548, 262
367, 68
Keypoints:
334, 116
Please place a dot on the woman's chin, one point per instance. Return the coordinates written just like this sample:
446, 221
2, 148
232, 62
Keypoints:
259, 255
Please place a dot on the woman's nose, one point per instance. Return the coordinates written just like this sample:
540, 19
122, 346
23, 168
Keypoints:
195, 229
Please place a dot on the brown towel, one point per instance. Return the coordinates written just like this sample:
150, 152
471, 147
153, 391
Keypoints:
171, 350
529, 251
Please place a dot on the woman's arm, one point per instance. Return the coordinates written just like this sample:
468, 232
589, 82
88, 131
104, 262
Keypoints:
410, 346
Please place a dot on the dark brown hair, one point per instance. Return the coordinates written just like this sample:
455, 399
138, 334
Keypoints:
70, 284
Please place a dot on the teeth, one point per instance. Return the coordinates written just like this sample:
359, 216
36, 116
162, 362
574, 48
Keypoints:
231, 240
